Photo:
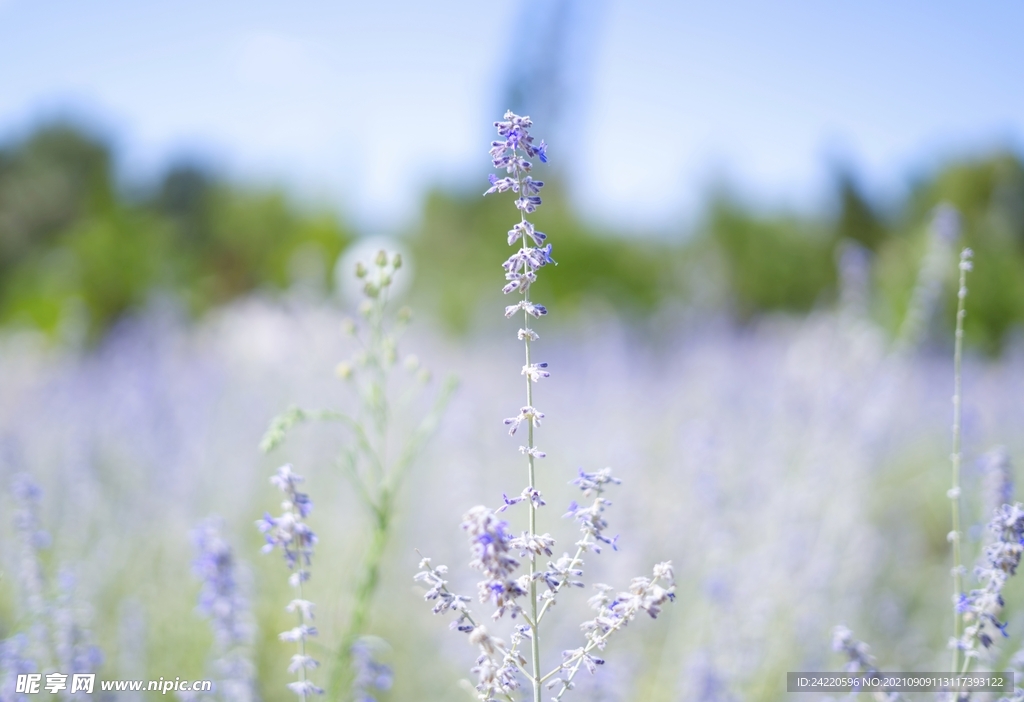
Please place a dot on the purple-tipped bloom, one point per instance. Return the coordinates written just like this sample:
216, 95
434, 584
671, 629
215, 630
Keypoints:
220, 598
491, 545
288, 531
296, 540
1002, 558
370, 674
858, 654
510, 155
14, 661
595, 482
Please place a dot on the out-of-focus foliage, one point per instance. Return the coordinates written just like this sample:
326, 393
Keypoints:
460, 243
773, 263
74, 248
763, 260
989, 193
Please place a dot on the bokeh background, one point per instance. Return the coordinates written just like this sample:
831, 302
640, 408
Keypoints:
751, 319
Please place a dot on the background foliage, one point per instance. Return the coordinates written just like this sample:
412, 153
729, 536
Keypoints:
79, 248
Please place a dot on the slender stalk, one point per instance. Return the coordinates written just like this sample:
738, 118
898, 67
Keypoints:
535, 639
955, 458
302, 640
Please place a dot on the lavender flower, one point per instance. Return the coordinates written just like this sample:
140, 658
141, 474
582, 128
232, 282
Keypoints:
982, 608
221, 600
859, 659
75, 652
613, 613
219, 597
56, 637
288, 532
446, 600
291, 534
14, 661
857, 653
500, 667
370, 674
491, 545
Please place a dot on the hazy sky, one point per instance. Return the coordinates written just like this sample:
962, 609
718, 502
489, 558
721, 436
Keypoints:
365, 104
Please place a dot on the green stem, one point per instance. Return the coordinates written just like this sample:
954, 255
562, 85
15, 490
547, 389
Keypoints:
535, 638
302, 639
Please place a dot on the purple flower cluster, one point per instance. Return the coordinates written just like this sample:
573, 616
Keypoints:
859, 660
591, 519
370, 674
491, 546
857, 653
500, 667
529, 494
613, 613
220, 598
296, 539
511, 154
55, 636
496, 667
14, 661
446, 599
644, 595
289, 531
983, 607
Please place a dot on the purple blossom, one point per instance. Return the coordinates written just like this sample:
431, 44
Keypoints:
527, 306
593, 483
528, 494
536, 371
14, 661
370, 674
220, 598
525, 229
983, 606
490, 544
511, 154
296, 540
531, 414
288, 532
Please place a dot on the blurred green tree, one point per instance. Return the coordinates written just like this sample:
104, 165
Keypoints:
73, 245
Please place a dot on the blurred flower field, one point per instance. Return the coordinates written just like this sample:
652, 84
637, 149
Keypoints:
794, 470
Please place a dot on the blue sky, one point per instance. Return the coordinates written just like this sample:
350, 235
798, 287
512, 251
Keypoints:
364, 105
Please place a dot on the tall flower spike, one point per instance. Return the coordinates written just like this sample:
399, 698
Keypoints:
222, 601
291, 534
500, 667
